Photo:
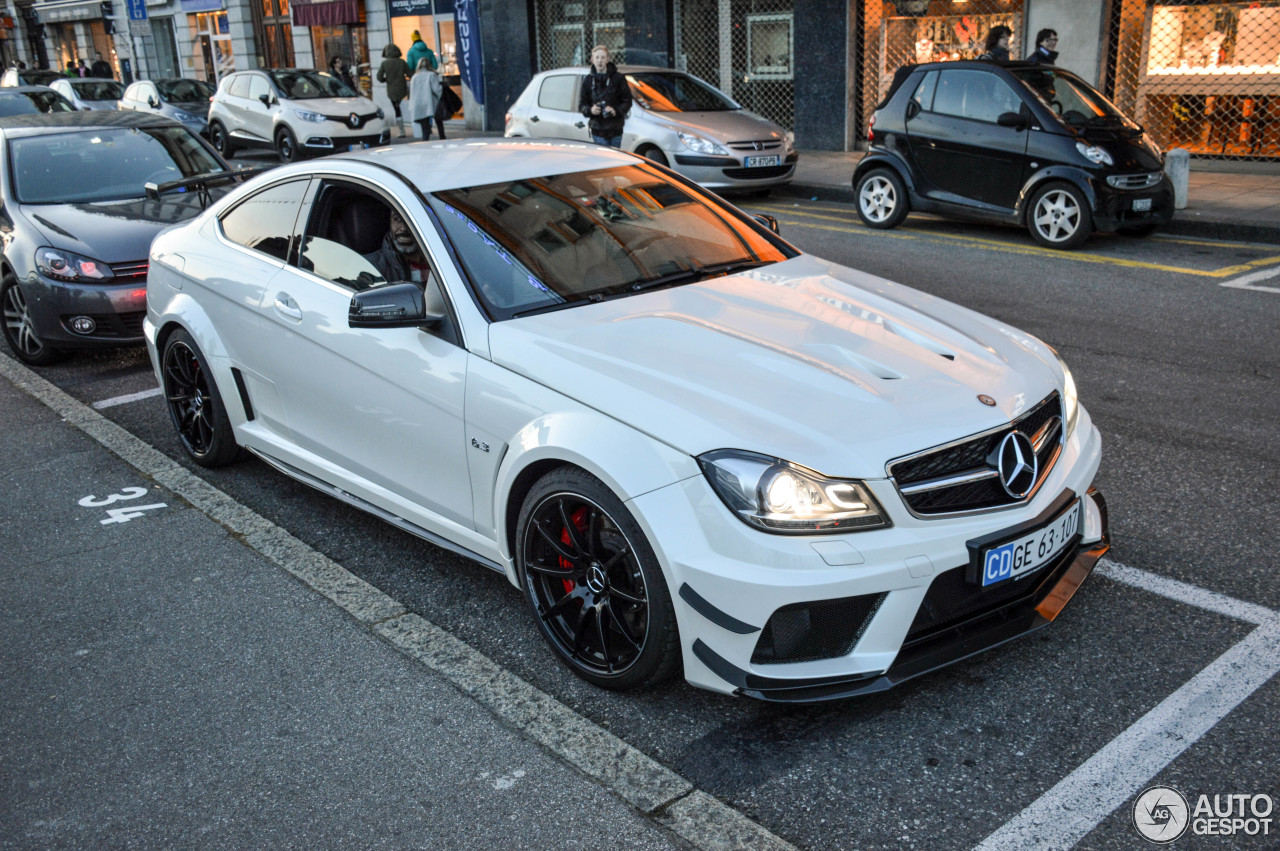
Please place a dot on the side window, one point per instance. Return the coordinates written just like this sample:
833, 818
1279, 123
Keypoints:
258, 86
557, 92
979, 95
239, 86
357, 240
924, 92
264, 222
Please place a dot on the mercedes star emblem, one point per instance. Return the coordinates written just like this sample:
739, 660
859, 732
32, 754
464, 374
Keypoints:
1019, 467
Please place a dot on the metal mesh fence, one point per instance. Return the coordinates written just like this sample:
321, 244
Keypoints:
746, 48
894, 33
1200, 76
568, 29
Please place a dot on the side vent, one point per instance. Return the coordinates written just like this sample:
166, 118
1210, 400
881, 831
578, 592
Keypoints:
244, 394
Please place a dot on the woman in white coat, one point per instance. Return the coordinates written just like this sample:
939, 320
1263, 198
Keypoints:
424, 97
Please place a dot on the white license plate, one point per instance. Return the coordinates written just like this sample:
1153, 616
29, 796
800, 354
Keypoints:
1031, 551
753, 162
1141, 204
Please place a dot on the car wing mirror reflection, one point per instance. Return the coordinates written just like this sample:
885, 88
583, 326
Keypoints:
768, 221
396, 305
1012, 119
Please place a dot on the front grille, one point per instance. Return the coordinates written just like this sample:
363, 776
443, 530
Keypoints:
964, 477
760, 145
345, 120
825, 629
760, 173
127, 272
1135, 181
111, 325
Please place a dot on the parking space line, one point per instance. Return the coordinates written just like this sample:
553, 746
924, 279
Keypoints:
661, 794
126, 399
852, 226
1078, 803
1246, 282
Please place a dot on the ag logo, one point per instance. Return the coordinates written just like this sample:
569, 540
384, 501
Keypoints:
1161, 814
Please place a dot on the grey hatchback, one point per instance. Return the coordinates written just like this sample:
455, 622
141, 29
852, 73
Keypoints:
82, 194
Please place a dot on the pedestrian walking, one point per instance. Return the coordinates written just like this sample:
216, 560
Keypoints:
997, 48
418, 51
82, 70
101, 68
71, 70
395, 73
424, 98
605, 99
1046, 48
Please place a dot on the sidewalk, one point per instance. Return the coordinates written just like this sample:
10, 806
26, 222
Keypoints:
1225, 200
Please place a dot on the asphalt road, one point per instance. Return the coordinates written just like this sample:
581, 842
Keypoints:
1179, 373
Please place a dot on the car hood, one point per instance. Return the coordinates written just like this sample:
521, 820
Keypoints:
804, 360
733, 125
335, 106
113, 231
196, 108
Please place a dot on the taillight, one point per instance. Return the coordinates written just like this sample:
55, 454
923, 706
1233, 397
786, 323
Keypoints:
871, 132
508, 119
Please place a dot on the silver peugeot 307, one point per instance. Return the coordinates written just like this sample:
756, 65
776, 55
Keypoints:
676, 120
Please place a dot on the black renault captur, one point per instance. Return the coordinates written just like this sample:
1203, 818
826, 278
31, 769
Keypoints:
1013, 142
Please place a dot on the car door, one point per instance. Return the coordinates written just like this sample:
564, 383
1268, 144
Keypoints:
258, 116
384, 406
235, 104
555, 111
962, 152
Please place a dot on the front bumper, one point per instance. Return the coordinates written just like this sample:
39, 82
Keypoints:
328, 139
904, 588
1113, 208
117, 311
732, 173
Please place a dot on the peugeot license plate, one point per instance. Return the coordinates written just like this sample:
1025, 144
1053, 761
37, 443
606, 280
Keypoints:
753, 162
1141, 205
1031, 551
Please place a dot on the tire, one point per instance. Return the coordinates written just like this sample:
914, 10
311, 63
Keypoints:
594, 584
1138, 231
287, 146
220, 140
19, 330
195, 407
656, 155
882, 199
1059, 217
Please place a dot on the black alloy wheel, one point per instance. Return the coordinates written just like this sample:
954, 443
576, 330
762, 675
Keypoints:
287, 146
220, 140
19, 327
195, 408
594, 583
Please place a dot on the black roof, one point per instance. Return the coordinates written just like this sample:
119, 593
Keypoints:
30, 125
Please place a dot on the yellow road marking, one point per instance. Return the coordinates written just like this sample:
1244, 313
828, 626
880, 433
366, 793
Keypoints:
852, 225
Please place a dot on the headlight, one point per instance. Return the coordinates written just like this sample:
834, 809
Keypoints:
1070, 399
778, 496
66, 266
310, 116
1094, 154
791, 141
699, 145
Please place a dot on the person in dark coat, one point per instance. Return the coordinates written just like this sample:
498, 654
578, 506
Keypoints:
1045, 54
338, 67
100, 68
605, 99
997, 44
399, 257
395, 73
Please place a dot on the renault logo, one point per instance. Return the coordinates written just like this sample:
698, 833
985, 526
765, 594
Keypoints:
1018, 465
353, 120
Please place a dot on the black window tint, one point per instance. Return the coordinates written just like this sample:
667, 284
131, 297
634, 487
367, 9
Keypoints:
924, 92
979, 95
335, 262
240, 86
265, 221
557, 92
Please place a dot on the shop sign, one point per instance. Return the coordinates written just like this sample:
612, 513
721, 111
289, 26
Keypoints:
410, 8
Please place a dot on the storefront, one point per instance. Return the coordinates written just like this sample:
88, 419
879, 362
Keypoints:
435, 22
211, 54
272, 33
337, 29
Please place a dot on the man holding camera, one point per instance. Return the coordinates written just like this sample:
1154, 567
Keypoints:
605, 99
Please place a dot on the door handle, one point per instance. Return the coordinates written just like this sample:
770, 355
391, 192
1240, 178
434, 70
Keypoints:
533, 119
579, 125
285, 307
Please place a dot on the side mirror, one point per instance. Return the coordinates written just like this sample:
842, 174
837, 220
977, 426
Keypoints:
768, 221
155, 104
399, 305
1012, 119
913, 109
266, 99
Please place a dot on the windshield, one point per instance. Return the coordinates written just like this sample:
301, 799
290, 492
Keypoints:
185, 91
23, 103
38, 78
571, 239
105, 164
98, 90
1071, 98
303, 85
669, 92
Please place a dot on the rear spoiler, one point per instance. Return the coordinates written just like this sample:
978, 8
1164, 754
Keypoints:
200, 183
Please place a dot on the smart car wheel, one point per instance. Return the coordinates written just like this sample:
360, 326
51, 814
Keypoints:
882, 199
287, 146
220, 140
594, 583
1059, 216
20, 329
195, 408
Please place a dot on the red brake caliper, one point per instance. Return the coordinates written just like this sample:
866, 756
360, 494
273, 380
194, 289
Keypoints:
579, 519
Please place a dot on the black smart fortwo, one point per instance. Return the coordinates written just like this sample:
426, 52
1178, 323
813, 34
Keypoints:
1013, 142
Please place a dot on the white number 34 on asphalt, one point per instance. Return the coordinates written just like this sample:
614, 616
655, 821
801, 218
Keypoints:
120, 515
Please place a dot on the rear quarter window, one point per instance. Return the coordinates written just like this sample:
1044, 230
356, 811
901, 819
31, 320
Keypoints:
557, 92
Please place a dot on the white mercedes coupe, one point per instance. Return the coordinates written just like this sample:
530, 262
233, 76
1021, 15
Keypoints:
689, 444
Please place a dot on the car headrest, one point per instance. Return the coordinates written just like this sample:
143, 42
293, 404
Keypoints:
360, 224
